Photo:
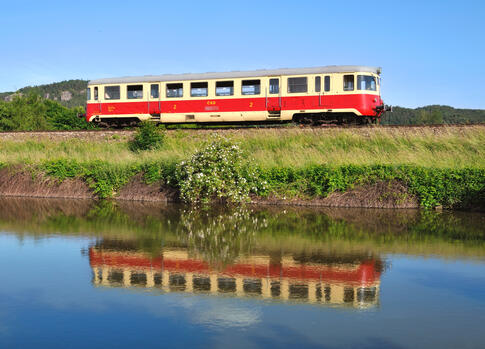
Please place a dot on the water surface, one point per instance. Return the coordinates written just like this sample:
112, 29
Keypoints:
83, 274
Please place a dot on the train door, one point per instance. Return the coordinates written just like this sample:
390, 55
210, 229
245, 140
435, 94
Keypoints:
273, 97
318, 91
154, 101
97, 100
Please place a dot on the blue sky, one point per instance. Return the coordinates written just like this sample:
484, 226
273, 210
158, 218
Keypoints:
431, 52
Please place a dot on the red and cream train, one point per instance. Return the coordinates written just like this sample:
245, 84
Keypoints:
318, 95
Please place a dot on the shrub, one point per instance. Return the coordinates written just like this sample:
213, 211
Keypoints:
148, 136
218, 172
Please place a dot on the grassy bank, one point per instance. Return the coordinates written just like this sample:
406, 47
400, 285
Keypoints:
443, 147
440, 166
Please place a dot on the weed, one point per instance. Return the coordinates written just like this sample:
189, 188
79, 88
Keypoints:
147, 136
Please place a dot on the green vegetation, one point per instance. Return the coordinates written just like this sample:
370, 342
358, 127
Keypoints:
453, 188
447, 147
69, 93
30, 112
148, 136
433, 114
105, 179
218, 172
443, 166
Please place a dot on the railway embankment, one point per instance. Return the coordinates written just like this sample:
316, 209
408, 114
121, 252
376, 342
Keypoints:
364, 167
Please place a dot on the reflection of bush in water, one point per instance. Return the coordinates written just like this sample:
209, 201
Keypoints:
219, 236
273, 229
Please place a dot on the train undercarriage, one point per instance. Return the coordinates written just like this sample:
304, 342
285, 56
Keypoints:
310, 119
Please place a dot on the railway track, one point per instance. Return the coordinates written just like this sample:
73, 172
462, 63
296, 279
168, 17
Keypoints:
237, 127
107, 132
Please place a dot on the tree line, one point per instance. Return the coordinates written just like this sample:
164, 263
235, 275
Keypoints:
31, 112
433, 114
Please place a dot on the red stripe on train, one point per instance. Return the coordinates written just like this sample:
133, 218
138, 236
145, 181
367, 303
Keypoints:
364, 103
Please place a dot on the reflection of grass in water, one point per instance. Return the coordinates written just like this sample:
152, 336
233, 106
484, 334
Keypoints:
220, 237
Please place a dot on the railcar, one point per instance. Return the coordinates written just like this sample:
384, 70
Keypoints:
330, 94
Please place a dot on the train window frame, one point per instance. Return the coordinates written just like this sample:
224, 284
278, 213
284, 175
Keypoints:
134, 91
112, 92
200, 87
174, 90
326, 83
364, 80
292, 85
88, 93
96, 93
230, 86
155, 88
248, 84
274, 88
318, 84
349, 78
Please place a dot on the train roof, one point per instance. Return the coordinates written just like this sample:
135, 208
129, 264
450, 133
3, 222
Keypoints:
239, 74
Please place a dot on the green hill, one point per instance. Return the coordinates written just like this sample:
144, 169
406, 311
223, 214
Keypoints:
69, 93
433, 114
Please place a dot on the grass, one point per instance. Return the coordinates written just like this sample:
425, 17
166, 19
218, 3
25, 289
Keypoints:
446, 147
442, 166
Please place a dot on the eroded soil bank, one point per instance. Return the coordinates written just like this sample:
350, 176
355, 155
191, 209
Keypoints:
22, 183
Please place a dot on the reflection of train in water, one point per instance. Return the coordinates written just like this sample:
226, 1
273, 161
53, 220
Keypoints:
288, 277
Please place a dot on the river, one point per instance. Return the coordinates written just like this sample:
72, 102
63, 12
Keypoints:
79, 274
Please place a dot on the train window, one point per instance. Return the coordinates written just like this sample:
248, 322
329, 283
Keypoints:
297, 85
251, 87
175, 90
111, 92
224, 88
326, 82
274, 86
348, 82
96, 93
88, 92
348, 295
198, 89
154, 91
318, 83
365, 82
134, 91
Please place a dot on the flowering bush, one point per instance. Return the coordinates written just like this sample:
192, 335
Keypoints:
218, 172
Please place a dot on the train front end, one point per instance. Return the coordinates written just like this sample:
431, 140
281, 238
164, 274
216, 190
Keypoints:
369, 86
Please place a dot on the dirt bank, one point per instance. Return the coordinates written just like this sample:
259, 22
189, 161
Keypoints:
18, 182
378, 195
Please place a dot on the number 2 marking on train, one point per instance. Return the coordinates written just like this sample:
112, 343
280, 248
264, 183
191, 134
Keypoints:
174, 106
251, 104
